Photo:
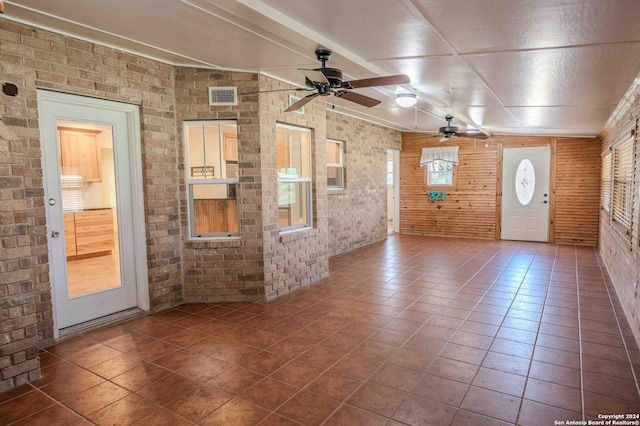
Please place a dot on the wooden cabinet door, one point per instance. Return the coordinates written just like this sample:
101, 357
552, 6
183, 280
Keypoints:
80, 154
230, 148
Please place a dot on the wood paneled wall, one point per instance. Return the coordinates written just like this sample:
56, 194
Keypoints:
472, 209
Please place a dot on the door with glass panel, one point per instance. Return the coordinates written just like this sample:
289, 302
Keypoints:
90, 177
525, 194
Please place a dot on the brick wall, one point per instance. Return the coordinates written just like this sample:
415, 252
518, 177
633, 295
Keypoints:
19, 362
358, 213
224, 270
294, 259
618, 250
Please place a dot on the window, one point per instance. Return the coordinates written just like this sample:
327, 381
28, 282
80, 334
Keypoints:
293, 162
622, 183
606, 182
525, 182
335, 168
211, 163
440, 166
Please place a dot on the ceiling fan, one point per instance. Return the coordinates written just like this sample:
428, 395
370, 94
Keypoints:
450, 131
325, 81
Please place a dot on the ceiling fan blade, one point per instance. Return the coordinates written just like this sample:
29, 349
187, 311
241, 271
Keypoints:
302, 102
357, 98
314, 76
377, 81
297, 89
472, 135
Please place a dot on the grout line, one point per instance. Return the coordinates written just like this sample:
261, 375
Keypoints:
615, 314
535, 342
579, 334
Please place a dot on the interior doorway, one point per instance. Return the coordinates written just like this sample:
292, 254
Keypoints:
393, 191
525, 193
93, 198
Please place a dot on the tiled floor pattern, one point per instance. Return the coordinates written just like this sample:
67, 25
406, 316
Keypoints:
408, 331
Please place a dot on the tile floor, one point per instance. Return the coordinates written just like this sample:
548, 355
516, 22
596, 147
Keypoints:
408, 331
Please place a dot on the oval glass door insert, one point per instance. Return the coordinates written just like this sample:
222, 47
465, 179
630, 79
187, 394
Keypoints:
525, 182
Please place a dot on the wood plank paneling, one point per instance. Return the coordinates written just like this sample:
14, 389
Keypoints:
472, 209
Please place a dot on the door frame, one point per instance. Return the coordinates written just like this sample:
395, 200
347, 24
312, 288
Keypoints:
132, 113
552, 184
396, 189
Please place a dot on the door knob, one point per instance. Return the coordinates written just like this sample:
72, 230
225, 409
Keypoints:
55, 234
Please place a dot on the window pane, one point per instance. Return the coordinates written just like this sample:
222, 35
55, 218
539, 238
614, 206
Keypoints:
334, 177
293, 152
525, 182
293, 203
215, 209
203, 151
334, 153
440, 173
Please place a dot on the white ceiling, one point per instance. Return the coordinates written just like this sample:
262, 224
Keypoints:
540, 67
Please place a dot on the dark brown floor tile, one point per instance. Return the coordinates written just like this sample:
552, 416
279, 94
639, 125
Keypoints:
308, 408
509, 347
440, 389
620, 370
334, 386
375, 350
470, 339
559, 343
320, 356
492, 404
184, 338
297, 373
96, 398
203, 369
139, 377
348, 415
269, 393
125, 411
198, 403
595, 404
341, 342
78, 382
167, 389
264, 363
222, 350
462, 353
72, 346
24, 405
500, 381
56, 415
555, 374
507, 363
378, 399
47, 359
129, 342
454, 370
610, 386
356, 365
554, 356
116, 366
234, 380
236, 412
534, 413
466, 418
553, 394
390, 337
15, 392
418, 411
162, 417
178, 359
278, 420
396, 377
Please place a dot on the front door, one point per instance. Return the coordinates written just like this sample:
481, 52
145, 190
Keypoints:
525, 193
92, 170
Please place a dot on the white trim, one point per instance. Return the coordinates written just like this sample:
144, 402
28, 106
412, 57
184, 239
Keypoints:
448, 154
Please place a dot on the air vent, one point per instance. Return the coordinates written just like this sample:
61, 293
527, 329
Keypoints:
223, 96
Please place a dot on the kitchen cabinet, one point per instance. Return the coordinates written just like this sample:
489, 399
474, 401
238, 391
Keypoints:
230, 148
69, 233
80, 153
94, 233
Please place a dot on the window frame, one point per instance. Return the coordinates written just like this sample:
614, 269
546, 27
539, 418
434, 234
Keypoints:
454, 173
606, 181
622, 185
307, 181
339, 166
191, 182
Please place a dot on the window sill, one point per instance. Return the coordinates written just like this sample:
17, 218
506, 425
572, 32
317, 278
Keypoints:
213, 242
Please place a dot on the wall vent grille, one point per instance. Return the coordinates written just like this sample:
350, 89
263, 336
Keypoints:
223, 96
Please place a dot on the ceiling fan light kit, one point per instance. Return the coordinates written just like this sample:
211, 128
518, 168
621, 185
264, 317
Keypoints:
406, 100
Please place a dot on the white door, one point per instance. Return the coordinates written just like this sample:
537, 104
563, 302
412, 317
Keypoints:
93, 199
525, 193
